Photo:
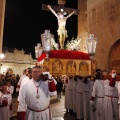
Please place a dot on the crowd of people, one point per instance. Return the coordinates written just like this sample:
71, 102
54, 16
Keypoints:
8, 91
13, 81
86, 97
8, 85
35, 88
93, 98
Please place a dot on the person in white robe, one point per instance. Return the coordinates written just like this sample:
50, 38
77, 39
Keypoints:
97, 98
74, 95
36, 95
92, 109
25, 79
98, 95
79, 99
10, 90
25, 73
86, 98
119, 97
5, 101
70, 94
66, 94
110, 102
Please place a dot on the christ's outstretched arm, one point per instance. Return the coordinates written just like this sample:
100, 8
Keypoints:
49, 7
71, 14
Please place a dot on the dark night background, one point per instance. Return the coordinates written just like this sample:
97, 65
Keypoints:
25, 21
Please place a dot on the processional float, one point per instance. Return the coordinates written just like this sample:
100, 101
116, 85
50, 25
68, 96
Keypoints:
66, 62
61, 61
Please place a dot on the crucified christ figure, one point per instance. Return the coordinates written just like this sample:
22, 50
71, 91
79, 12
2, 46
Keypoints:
62, 32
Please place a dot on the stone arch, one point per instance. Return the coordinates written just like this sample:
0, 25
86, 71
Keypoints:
114, 56
9, 71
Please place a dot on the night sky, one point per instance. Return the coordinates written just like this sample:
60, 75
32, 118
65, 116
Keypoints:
25, 21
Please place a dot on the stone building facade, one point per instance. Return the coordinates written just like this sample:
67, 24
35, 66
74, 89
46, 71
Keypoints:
15, 62
102, 18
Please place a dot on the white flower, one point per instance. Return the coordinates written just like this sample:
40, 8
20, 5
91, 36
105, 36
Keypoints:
74, 44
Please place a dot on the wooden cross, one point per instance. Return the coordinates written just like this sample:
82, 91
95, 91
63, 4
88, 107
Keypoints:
61, 5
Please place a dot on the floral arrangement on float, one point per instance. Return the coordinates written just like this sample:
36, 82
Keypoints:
69, 60
74, 44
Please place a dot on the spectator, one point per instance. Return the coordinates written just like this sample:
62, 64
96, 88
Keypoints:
59, 87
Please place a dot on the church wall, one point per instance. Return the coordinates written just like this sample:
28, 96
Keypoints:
103, 20
92, 3
82, 20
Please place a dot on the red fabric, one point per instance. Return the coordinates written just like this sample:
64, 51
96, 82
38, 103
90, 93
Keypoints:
112, 83
66, 54
18, 86
42, 57
4, 102
52, 86
10, 107
21, 115
92, 98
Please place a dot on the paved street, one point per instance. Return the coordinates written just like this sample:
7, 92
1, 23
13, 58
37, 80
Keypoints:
57, 108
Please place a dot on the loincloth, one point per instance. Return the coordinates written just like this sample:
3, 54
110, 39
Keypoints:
62, 32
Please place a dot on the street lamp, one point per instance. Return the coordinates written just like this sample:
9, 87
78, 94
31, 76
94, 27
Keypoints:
2, 56
91, 45
38, 50
46, 42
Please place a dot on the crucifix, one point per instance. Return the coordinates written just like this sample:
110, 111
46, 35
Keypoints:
62, 32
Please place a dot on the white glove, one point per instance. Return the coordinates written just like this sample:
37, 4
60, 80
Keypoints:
113, 75
91, 102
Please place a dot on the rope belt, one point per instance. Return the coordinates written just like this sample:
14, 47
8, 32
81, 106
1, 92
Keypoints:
110, 96
86, 91
70, 89
38, 110
99, 96
80, 92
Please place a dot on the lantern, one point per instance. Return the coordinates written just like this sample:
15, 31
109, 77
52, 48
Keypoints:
91, 45
46, 41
